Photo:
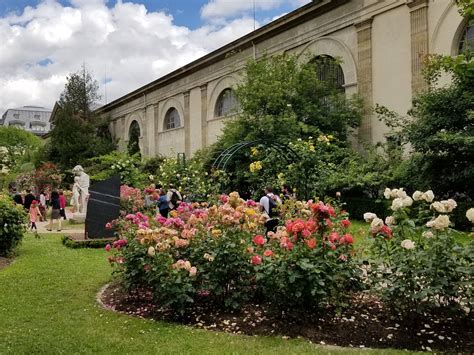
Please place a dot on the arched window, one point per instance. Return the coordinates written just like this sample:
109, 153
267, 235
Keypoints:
330, 71
226, 104
466, 43
172, 119
133, 138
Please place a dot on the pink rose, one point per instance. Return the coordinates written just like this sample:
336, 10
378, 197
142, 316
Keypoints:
268, 253
259, 240
256, 260
108, 247
345, 223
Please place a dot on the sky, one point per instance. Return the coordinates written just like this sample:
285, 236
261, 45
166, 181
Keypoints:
124, 43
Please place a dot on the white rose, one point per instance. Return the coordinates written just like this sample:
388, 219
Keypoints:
428, 196
397, 204
470, 215
394, 193
438, 207
387, 193
376, 225
417, 196
440, 222
369, 216
151, 251
407, 201
428, 234
450, 204
390, 220
408, 244
402, 194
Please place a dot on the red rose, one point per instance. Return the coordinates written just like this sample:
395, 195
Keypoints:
298, 226
311, 225
333, 237
268, 253
387, 231
348, 239
311, 243
306, 233
259, 239
345, 223
256, 260
331, 211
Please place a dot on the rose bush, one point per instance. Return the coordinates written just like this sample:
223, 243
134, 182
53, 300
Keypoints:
416, 264
12, 225
220, 254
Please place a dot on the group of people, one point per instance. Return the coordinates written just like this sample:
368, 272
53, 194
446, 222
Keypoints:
269, 205
167, 200
36, 207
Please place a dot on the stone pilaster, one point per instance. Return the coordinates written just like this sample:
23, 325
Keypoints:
149, 122
419, 42
187, 125
124, 139
204, 115
364, 76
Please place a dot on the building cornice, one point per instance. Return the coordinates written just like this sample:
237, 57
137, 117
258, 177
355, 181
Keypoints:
293, 19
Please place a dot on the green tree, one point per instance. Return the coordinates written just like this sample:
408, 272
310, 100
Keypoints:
17, 147
78, 134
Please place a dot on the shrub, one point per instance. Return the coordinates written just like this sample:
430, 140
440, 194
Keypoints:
416, 265
308, 264
12, 225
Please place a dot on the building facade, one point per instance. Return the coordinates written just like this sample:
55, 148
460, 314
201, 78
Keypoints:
380, 44
34, 119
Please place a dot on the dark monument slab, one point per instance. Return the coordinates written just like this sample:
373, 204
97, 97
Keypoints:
103, 207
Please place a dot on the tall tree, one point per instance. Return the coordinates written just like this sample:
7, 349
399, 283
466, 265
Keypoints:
78, 134
17, 146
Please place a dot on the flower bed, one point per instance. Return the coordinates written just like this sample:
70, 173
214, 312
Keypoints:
220, 254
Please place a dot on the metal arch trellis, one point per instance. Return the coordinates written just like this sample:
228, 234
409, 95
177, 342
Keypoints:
221, 161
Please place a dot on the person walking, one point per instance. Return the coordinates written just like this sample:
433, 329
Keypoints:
29, 198
34, 213
268, 205
62, 204
55, 212
163, 204
16, 196
42, 206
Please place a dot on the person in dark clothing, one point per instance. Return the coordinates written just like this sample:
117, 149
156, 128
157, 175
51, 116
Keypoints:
29, 198
56, 211
17, 197
163, 205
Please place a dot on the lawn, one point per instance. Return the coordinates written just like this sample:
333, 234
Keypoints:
47, 305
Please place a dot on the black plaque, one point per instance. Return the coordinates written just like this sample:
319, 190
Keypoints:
103, 207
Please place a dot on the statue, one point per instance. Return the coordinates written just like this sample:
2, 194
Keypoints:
80, 190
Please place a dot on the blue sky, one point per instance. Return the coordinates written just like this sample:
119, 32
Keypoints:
185, 12
124, 43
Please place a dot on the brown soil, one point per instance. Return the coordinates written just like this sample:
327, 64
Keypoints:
366, 324
4, 262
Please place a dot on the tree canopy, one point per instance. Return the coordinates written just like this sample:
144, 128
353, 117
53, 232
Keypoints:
17, 146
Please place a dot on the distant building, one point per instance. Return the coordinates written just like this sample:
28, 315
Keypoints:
34, 119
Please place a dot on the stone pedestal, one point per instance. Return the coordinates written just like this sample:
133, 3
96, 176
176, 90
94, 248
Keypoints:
78, 217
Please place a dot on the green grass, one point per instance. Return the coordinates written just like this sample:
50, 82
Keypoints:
48, 306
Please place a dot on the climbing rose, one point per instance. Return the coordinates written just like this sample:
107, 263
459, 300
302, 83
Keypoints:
256, 260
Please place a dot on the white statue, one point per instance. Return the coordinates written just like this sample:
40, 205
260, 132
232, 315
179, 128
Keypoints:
80, 190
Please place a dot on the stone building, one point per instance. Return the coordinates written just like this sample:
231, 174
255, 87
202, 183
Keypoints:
34, 119
381, 45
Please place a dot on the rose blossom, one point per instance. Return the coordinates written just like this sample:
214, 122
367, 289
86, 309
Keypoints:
347, 239
151, 251
376, 225
345, 223
470, 215
387, 231
311, 243
259, 239
390, 220
417, 196
408, 244
440, 222
333, 237
428, 196
193, 271
428, 234
397, 204
268, 253
369, 216
401, 194
108, 247
256, 260
387, 193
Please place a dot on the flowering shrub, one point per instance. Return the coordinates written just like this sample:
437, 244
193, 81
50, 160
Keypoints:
199, 251
131, 199
12, 225
416, 265
220, 254
308, 264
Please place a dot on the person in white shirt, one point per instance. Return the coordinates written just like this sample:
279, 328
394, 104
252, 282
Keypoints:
173, 202
268, 205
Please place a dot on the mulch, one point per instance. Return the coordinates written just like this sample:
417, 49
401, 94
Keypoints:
365, 324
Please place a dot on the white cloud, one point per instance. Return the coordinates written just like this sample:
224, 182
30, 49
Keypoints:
43, 44
230, 8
